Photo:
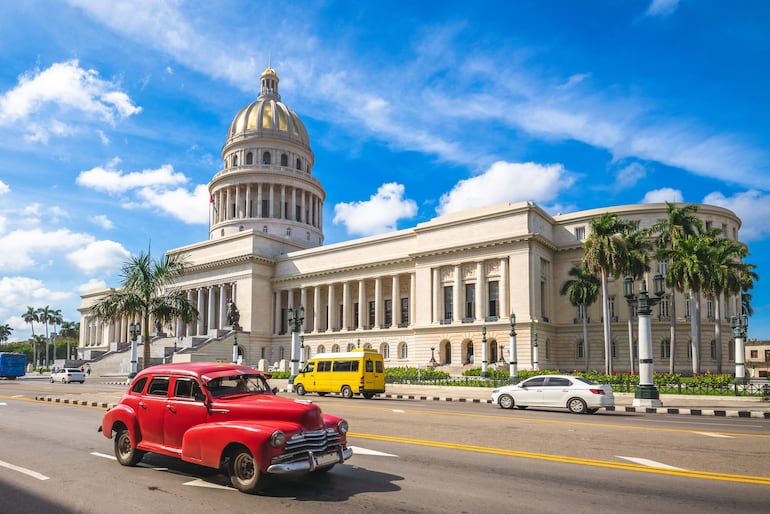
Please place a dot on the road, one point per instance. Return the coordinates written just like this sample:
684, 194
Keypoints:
410, 456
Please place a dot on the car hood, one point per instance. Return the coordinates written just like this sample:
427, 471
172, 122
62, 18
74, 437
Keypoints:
268, 407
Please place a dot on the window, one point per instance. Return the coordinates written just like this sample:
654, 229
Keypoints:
403, 351
710, 309
388, 313
369, 366
235, 160
665, 349
351, 347
470, 300
249, 158
580, 233
264, 229
614, 352
345, 366
611, 302
298, 212
579, 351
355, 315
663, 307
266, 158
324, 366
138, 387
158, 386
493, 291
581, 312
187, 388
687, 308
372, 312
385, 351
448, 291
754, 354
321, 349
713, 350
265, 208
335, 348
284, 160
299, 164
404, 312
288, 232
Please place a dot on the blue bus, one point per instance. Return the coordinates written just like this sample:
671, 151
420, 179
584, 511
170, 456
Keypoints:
12, 365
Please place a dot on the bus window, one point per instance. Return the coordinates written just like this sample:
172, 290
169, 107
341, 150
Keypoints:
345, 366
324, 365
369, 366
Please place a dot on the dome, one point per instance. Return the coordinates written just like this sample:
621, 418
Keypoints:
268, 116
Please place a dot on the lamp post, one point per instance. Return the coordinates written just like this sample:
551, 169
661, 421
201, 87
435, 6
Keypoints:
535, 351
134, 329
235, 344
301, 352
740, 326
432, 362
484, 371
647, 394
513, 367
296, 318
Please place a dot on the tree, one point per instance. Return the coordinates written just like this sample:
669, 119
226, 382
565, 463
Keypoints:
70, 330
45, 315
680, 222
31, 317
5, 332
147, 291
582, 290
55, 320
636, 264
36, 341
605, 253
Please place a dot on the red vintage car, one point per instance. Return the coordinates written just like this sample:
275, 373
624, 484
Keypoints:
223, 416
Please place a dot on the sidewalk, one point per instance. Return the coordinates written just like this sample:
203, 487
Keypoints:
724, 406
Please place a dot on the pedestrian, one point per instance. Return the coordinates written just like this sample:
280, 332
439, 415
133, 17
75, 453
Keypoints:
88, 370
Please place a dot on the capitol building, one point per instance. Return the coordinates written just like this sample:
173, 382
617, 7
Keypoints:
439, 294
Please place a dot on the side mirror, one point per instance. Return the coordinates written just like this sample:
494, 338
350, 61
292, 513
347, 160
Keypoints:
274, 390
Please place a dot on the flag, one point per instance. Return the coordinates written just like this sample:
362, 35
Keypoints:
213, 204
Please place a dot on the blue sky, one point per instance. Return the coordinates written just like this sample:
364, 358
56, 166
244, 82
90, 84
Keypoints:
113, 116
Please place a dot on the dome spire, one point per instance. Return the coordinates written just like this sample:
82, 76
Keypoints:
269, 81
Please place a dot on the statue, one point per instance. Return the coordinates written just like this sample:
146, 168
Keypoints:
232, 314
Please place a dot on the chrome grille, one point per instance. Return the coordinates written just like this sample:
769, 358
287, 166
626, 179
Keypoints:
317, 442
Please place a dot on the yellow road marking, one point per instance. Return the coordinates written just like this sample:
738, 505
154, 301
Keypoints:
708, 475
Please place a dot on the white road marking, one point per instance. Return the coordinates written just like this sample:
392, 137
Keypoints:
103, 455
398, 410
202, 483
365, 451
3, 403
712, 434
648, 462
29, 472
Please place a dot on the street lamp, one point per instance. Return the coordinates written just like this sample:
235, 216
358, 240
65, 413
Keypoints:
647, 394
740, 326
134, 329
432, 362
535, 351
296, 318
484, 371
302, 352
513, 367
235, 344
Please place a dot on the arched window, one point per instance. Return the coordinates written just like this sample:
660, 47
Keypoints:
266, 158
385, 351
307, 353
368, 346
284, 159
299, 164
321, 349
447, 352
335, 348
351, 347
235, 161
403, 351
249, 158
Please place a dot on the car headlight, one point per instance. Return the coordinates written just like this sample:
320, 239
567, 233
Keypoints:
278, 439
342, 426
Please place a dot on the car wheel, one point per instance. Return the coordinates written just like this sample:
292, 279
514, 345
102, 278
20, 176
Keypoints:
244, 473
63, 380
52, 380
577, 406
368, 396
505, 401
126, 454
347, 392
299, 389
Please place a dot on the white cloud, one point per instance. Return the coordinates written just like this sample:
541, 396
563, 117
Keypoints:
17, 292
99, 257
665, 194
30, 245
662, 7
111, 180
507, 182
630, 175
753, 207
103, 221
4, 188
92, 284
378, 214
189, 207
50, 101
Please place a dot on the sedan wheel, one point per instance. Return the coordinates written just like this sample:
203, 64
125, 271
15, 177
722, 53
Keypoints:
126, 454
577, 406
505, 401
244, 473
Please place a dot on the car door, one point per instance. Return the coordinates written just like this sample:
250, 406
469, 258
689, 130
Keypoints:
151, 411
530, 392
556, 391
185, 408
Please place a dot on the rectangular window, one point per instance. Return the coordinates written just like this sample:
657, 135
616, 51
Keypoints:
580, 233
159, 386
710, 309
298, 212
493, 292
369, 366
266, 208
388, 313
611, 302
581, 312
324, 366
355, 315
470, 301
754, 354
663, 309
378, 366
448, 306
579, 350
665, 349
405, 312
371, 314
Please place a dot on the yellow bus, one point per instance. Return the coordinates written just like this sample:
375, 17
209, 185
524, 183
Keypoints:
360, 371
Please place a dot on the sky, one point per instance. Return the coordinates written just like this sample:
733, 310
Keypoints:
113, 115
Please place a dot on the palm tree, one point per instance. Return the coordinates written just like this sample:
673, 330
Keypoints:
637, 263
45, 315
36, 340
71, 331
583, 290
5, 332
31, 317
147, 291
679, 222
605, 253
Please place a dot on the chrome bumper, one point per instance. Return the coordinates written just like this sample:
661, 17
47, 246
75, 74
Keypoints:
311, 462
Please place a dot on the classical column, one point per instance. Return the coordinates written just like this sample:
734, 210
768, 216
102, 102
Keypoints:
260, 214
436, 296
249, 213
228, 201
316, 308
457, 295
361, 300
238, 211
395, 303
345, 305
211, 321
271, 205
293, 214
412, 293
304, 208
378, 302
222, 306
505, 310
303, 302
189, 329
479, 291
331, 321
201, 306
277, 295
282, 210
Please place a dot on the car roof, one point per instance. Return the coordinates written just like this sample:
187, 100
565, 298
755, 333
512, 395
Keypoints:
199, 369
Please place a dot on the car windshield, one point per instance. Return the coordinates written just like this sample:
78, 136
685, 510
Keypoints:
584, 380
238, 385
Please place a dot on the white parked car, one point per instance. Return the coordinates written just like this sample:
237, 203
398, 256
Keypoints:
67, 375
577, 394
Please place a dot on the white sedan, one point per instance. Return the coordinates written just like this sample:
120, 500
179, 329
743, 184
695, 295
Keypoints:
577, 394
67, 375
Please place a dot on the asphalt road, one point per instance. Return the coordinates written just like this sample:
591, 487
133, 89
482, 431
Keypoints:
410, 456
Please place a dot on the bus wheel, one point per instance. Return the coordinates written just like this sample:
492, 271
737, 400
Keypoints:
347, 392
299, 389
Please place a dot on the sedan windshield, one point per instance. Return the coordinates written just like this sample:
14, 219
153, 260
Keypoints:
238, 385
